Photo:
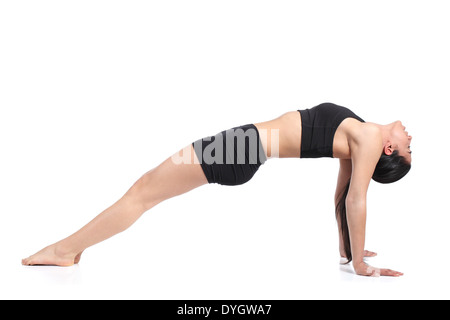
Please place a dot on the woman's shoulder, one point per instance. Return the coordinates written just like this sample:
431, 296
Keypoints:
365, 134
362, 130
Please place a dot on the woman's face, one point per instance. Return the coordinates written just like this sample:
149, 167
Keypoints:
401, 140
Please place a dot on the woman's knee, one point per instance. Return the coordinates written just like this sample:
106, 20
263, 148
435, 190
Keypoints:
143, 191
166, 181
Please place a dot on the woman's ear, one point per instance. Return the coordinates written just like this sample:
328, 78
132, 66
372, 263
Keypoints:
388, 149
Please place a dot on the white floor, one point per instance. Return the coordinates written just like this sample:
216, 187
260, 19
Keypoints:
97, 279
250, 254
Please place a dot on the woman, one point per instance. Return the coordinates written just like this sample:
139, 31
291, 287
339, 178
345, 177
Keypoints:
365, 150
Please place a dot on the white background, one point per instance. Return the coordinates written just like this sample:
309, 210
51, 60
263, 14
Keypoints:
95, 93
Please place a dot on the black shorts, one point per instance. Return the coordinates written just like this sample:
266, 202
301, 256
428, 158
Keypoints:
231, 157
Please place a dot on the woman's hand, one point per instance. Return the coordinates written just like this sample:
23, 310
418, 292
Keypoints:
367, 254
363, 269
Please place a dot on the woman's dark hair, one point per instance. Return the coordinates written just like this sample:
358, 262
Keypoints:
389, 169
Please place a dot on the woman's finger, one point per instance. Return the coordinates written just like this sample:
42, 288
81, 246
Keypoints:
390, 273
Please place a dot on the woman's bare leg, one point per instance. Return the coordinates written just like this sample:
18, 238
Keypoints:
169, 179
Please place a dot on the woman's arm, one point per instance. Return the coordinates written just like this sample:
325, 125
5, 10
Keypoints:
365, 155
345, 172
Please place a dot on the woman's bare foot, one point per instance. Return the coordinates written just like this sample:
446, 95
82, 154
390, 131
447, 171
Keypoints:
53, 257
77, 258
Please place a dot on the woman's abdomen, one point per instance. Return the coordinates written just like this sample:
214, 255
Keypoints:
281, 137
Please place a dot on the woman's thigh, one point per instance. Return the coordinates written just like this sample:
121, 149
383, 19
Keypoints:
176, 175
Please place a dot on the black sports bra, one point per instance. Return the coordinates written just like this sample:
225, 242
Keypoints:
319, 125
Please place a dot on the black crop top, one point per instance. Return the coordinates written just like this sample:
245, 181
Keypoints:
319, 124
